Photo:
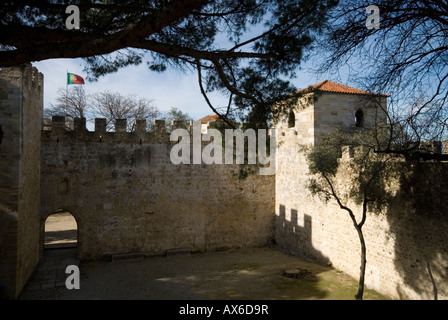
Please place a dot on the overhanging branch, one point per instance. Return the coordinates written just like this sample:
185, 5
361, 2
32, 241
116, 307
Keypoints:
225, 119
68, 45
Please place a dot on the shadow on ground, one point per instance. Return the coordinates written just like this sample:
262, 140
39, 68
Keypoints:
240, 274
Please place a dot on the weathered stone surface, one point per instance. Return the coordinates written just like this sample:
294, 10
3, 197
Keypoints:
128, 197
405, 242
21, 93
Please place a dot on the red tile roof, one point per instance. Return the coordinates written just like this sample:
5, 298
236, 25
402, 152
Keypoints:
333, 87
209, 118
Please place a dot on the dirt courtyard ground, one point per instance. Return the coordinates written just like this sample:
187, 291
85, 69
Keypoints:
236, 274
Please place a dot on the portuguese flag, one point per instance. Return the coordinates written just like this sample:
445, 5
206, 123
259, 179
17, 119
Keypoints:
74, 79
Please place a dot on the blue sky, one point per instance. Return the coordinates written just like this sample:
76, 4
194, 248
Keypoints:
167, 89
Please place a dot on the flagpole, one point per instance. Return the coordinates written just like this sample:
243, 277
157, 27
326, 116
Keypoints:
66, 92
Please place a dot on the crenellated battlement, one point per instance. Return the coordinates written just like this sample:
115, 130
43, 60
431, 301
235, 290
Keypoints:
27, 76
32, 77
433, 147
58, 129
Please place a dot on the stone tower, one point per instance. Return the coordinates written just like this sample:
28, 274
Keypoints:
328, 105
21, 98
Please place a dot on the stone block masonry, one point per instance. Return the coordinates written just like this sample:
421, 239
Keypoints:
407, 251
127, 196
21, 106
130, 200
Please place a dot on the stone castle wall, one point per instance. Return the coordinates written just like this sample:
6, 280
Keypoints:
127, 196
21, 98
407, 251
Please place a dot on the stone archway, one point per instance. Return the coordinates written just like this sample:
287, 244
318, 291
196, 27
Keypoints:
60, 230
58, 250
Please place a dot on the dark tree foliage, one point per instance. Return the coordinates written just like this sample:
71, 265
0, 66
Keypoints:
176, 114
242, 48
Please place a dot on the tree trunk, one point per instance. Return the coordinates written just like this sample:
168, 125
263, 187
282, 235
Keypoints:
358, 227
360, 292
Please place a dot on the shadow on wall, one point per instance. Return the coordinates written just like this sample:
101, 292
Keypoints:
298, 238
420, 231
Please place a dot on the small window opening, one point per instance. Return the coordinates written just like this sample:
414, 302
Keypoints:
1, 134
359, 118
291, 119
